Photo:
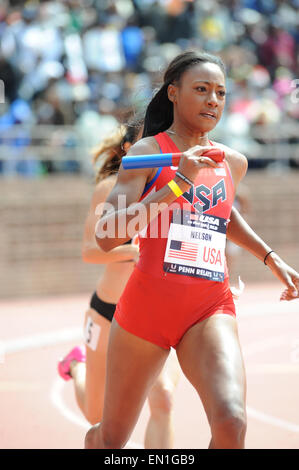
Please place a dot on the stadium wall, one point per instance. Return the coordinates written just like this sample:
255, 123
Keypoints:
42, 225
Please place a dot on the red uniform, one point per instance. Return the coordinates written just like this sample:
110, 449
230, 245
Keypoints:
181, 277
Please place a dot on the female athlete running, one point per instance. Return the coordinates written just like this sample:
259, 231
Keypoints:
178, 295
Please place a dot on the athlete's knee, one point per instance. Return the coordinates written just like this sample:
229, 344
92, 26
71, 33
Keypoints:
104, 437
160, 399
92, 438
113, 437
229, 424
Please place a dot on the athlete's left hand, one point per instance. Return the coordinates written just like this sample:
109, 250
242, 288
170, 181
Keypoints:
291, 292
287, 276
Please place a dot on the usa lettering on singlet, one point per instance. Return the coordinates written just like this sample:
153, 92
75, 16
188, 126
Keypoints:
195, 244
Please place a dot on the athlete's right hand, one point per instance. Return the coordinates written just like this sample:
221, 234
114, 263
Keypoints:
193, 160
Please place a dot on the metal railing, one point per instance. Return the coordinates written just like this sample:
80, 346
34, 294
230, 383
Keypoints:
60, 144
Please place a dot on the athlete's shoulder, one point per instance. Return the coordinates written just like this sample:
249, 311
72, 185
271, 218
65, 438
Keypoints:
232, 153
236, 160
144, 146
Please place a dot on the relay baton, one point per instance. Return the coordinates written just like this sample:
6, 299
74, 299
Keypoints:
164, 159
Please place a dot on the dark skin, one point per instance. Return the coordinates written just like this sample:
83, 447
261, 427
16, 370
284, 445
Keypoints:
209, 353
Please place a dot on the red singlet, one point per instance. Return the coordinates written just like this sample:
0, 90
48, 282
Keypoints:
168, 293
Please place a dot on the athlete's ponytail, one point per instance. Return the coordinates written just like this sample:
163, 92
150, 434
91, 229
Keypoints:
111, 150
159, 113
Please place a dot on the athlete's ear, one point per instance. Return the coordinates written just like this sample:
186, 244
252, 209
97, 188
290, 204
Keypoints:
171, 92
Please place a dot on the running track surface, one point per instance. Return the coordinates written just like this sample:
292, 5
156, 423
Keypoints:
38, 409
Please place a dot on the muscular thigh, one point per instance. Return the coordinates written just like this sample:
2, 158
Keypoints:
134, 364
211, 358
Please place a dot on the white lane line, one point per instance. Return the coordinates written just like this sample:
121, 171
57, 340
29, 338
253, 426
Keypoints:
69, 334
269, 419
27, 343
255, 348
57, 401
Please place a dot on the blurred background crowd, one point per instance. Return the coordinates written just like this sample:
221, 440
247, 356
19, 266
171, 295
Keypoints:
73, 69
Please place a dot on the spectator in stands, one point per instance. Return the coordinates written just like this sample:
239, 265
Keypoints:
92, 39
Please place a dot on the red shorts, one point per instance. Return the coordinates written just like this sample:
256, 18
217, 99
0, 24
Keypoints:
161, 311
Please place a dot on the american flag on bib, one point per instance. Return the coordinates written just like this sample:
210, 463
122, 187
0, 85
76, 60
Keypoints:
183, 250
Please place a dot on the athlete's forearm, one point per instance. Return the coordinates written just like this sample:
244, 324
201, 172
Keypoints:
94, 255
118, 226
240, 233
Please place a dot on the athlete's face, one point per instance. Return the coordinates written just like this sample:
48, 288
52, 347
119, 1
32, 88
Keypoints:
199, 97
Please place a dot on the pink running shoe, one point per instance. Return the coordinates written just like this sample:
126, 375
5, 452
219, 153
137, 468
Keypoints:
78, 353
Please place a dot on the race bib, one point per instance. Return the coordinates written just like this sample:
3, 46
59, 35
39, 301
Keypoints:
91, 334
196, 246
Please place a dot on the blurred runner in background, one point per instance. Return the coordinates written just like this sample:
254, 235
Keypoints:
87, 366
